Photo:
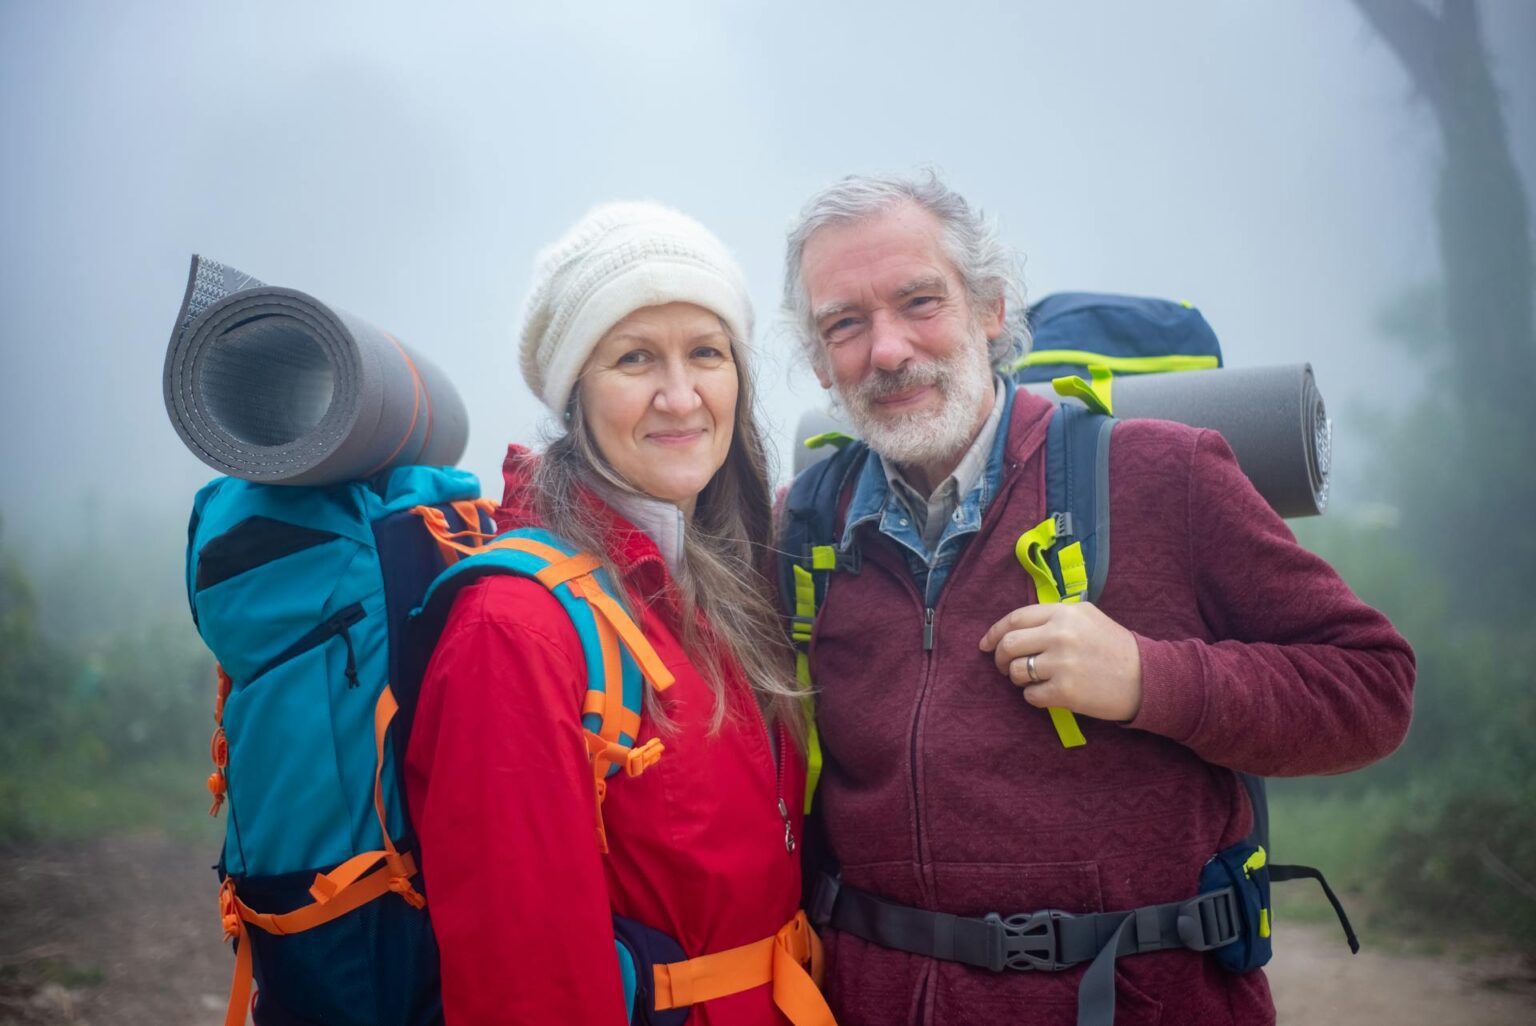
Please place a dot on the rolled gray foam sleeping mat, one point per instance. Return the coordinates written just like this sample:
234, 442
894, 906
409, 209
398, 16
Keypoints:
1273, 418
272, 385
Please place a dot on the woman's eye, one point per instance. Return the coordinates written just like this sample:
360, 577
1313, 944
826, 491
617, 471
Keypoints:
634, 357
708, 353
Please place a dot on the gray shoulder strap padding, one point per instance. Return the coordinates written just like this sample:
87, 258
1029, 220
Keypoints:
1100, 570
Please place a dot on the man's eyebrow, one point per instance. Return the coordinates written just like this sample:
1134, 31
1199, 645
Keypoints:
831, 309
927, 283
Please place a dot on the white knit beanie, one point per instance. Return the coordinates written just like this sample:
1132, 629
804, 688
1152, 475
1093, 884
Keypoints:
618, 258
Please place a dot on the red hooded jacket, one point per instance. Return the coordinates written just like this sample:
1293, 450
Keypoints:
500, 790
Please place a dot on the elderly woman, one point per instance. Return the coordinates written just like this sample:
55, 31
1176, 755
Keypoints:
636, 336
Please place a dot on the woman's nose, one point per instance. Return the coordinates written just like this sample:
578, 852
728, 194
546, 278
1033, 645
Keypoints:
678, 392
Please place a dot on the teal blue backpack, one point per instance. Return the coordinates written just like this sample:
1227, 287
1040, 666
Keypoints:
322, 605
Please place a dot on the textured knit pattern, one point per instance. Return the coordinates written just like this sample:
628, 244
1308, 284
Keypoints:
619, 258
944, 789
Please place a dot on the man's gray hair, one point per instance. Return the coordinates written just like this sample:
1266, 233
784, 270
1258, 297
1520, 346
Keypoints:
987, 266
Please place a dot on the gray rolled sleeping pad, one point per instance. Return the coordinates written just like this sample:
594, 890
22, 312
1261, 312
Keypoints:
272, 385
1273, 418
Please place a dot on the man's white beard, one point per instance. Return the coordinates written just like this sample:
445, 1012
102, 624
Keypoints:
917, 437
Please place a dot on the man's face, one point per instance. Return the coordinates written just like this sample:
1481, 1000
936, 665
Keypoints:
901, 343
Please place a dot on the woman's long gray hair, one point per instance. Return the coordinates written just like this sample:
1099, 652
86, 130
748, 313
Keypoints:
724, 544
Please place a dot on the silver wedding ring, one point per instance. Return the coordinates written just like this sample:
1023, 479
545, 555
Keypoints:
1029, 668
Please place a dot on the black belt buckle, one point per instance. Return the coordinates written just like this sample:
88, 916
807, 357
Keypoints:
1210, 920
1025, 941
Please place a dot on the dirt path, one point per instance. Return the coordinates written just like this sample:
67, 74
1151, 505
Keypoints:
116, 933
1315, 980
125, 933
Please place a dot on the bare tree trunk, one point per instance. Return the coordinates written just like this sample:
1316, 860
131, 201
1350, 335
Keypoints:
1484, 217
1468, 491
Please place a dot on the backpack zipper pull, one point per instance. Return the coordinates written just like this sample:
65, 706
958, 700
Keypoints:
351, 671
789, 833
928, 630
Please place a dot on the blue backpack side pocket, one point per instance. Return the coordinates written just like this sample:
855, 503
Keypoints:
1244, 868
640, 950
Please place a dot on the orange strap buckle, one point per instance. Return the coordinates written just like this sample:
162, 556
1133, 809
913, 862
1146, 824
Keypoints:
638, 760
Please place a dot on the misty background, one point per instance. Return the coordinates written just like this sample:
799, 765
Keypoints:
1265, 161
1274, 163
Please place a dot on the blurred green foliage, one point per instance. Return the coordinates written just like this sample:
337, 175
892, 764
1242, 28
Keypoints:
1441, 836
99, 732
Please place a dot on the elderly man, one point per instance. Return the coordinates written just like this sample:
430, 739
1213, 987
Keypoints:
1218, 646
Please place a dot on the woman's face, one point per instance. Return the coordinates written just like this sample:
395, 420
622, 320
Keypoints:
659, 394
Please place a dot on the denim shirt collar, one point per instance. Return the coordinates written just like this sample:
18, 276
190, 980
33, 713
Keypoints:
872, 499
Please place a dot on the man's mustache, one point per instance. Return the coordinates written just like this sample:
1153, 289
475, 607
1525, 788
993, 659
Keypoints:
888, 383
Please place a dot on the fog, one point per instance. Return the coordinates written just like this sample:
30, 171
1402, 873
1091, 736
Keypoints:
1268, 162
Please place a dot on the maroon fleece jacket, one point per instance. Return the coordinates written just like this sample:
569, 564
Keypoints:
944, 789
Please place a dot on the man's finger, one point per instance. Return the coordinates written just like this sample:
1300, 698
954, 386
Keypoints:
1016, 645
1021, 618
1043, 696
1018, 670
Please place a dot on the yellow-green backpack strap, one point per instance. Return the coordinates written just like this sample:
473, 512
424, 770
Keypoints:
1171, 362
1030, 551
823, 560
1096, 393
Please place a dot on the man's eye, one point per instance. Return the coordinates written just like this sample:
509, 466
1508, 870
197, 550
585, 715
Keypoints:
921, 302
840, 328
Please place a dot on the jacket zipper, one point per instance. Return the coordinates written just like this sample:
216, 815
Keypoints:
778, 776
917, 719
789, 831
317, 636
930, 631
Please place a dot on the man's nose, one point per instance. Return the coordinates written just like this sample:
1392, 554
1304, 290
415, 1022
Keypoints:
678, 392
889, 347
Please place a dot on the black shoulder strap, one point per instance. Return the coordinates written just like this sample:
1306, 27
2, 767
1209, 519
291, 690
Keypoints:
810, 517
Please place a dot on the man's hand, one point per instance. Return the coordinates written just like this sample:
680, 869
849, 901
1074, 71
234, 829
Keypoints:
1083, 660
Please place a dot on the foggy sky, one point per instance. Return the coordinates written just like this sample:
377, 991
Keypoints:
1266, 161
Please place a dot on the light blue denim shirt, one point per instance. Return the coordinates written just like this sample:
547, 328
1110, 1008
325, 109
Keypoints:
873, 499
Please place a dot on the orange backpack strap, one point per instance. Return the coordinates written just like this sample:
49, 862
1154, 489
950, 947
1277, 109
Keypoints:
791, 960
451, 543
620, 662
